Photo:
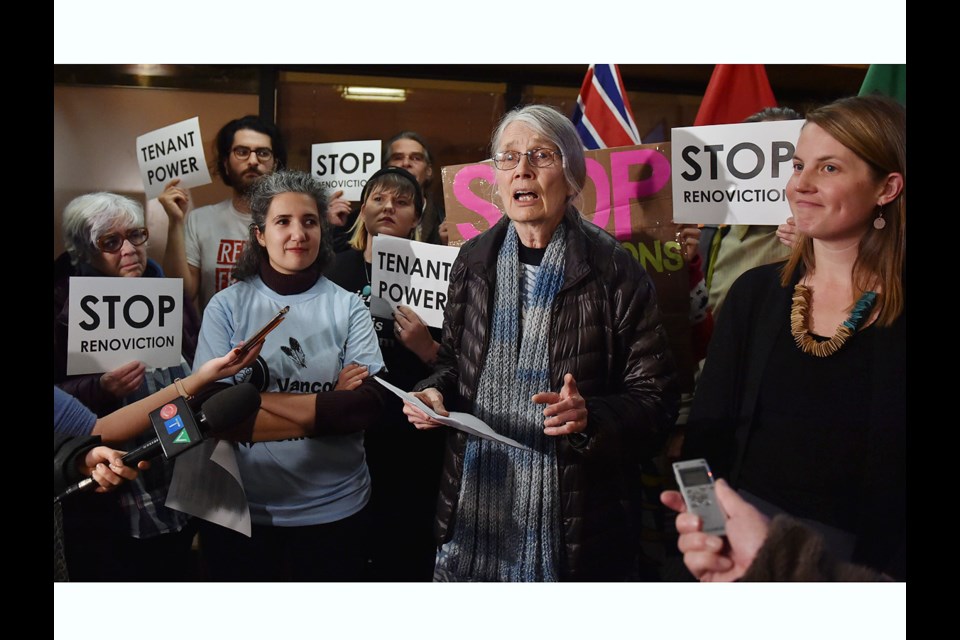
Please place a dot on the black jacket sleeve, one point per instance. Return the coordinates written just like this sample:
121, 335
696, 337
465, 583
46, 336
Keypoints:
638, 413
66, 449
718, 403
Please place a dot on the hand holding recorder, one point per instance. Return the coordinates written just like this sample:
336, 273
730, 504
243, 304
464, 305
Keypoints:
695, 480
711, 558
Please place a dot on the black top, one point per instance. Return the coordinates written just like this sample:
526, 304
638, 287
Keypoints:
404, 368
804, 456
526, 255
404, 461
823, 438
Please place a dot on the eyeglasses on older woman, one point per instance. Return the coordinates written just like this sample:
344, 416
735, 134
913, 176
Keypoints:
113, 242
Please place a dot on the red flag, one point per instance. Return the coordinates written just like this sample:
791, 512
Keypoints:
735, 91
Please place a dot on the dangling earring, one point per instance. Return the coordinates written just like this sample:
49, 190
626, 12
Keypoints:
878, 222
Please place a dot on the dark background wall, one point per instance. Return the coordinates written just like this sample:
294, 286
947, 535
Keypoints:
99, 110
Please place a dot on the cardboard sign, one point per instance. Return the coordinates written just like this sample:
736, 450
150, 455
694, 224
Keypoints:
627, 193
175, 151
345, 166
414, 274
733, 173
116, 320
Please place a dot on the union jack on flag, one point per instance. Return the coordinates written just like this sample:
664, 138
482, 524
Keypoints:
603, 117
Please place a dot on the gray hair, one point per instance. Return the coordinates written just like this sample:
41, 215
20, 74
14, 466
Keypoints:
89, 216
552, 125
261, 197
269, 187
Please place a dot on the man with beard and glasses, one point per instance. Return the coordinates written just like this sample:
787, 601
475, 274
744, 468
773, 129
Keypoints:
203, 245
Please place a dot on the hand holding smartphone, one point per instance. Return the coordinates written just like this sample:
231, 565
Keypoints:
696, 485
261, 335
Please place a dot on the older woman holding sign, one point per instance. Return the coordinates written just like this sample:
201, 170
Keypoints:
105, 236
552, 336
391, 205
808, 360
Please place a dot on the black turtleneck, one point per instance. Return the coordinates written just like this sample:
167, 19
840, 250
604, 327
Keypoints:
288, 284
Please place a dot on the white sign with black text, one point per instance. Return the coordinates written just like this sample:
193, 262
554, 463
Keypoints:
116, 320
733, 173
414, 274
345, 166
175, 151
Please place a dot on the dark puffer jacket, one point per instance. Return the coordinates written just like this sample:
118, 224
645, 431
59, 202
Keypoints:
605, 329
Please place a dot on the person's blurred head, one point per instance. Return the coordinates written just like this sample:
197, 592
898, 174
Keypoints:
849, 182
289, 228
106, 231
246, 149
409, 151
772, 114
391, 204
540, 166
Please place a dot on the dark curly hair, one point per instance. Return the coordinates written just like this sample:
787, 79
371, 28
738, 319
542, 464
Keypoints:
265, 190
224, 143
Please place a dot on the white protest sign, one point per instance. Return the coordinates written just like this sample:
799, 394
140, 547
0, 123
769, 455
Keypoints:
733, 173
116, 320
345, 166
175, 151
414, 274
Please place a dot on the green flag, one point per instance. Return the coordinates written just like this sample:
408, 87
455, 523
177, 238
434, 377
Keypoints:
887, 79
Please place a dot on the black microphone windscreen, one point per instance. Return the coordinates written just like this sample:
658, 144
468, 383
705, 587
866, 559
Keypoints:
231, 406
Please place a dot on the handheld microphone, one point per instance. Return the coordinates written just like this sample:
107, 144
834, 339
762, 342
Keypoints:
178, 429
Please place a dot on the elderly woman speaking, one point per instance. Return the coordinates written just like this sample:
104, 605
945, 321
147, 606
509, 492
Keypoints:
552, 336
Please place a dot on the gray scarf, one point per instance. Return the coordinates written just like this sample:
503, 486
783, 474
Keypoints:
508, 517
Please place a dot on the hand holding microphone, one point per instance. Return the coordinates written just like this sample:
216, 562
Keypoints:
179, 429
105, 466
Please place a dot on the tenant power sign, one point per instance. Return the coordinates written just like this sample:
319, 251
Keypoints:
172, 152
414, 274
733, 173
116, 320
345, 166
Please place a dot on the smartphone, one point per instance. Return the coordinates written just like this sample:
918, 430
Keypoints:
267, 328
696, 485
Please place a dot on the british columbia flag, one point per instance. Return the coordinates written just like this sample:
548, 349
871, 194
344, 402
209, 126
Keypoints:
603, 117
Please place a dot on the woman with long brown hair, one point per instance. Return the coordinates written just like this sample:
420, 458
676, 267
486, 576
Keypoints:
802, 402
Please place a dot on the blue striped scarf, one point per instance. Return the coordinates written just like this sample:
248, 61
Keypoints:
508, 516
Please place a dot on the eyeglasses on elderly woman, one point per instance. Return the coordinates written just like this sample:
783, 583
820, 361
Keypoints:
505, 160
113, 242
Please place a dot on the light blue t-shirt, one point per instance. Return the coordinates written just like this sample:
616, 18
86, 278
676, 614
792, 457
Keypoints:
304, 481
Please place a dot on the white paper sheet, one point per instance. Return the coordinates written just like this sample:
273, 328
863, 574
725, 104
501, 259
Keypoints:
206, 484
457, 419
380, 307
